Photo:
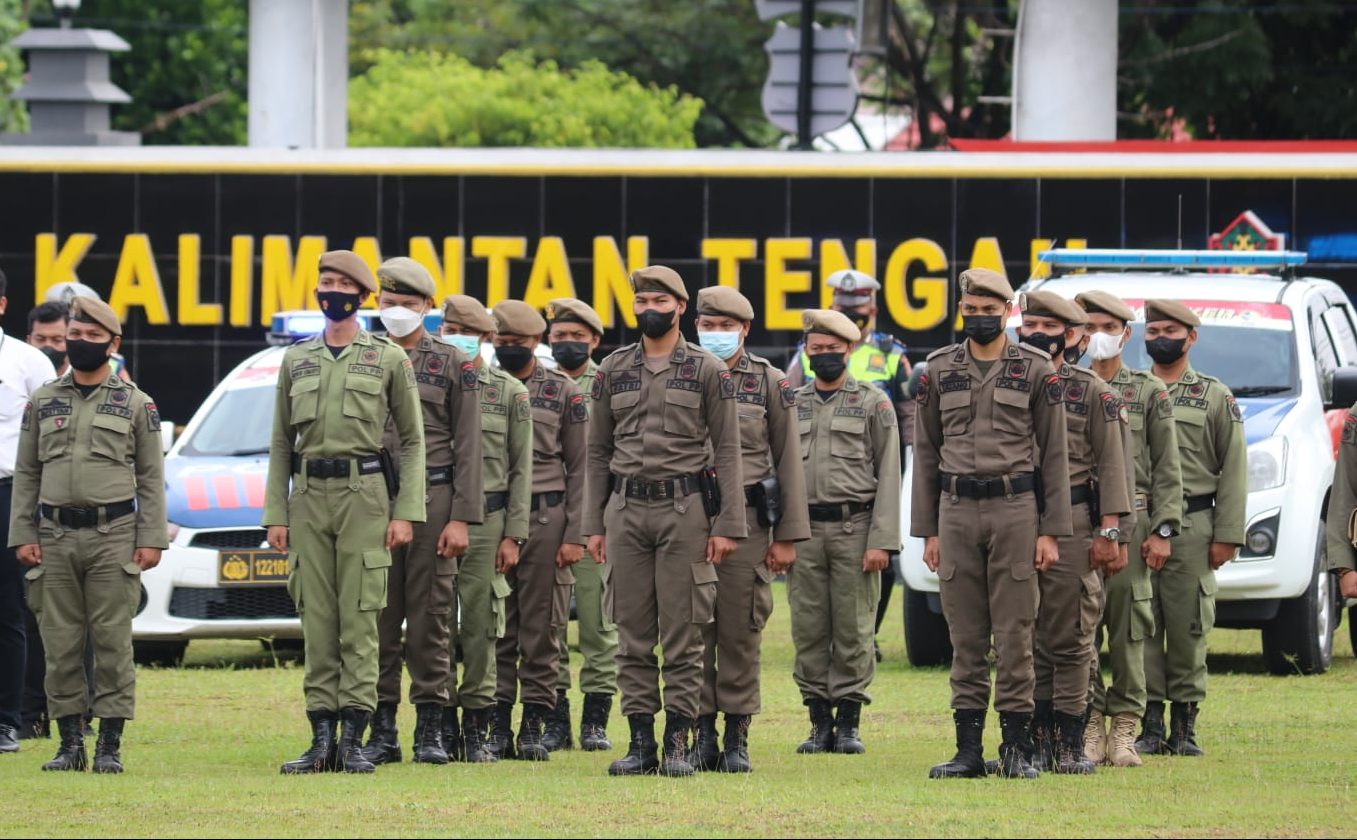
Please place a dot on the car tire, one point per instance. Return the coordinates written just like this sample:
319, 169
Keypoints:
159, 654
1300, 639
928, 644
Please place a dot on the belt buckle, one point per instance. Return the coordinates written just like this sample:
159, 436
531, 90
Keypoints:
664, 490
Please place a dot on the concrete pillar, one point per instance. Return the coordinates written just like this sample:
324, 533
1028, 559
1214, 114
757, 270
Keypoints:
1065, 71
299, 73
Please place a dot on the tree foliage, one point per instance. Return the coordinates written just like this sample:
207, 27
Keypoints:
13, 115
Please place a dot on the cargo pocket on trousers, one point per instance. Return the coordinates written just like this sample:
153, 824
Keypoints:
560, 600
1206, 605
33, 577
444, 584
133, 583
372, 589
294, 580
704, 593
761, 605
1090, 603
1142, 610
605, 573
499, 594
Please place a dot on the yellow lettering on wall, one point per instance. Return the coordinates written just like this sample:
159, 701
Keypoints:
1039, 269
242, 279
931, 289
370, 250
550, 278
447, 276
612, 288
192, 311
137, 282
497, 251
52, 266
728, 253
780, 281
285, 285
834, 257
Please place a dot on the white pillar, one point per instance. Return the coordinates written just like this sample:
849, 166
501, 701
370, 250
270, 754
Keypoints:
299, 73
1065, 71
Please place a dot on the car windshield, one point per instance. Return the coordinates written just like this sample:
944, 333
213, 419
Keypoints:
238, 424
1252, 361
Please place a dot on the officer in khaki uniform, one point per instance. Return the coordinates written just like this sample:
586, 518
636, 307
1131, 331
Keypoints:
991, 498
1342, 507
659, 408
494, 545
574, 331
538, 607
328, 503
88, 515
775, 515
1158, 496
1071, 590
420, 583
1214, 464
850, 451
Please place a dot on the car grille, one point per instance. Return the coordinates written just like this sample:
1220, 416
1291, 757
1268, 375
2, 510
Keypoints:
253, 602
246, 538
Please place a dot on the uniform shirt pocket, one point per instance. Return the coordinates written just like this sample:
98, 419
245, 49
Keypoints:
626, 415
955, 408
362, 396
54, 438
304, 396
682, 410
1012, 413
110, 437
847, 437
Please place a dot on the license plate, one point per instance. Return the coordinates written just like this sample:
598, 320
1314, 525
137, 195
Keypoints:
254, 567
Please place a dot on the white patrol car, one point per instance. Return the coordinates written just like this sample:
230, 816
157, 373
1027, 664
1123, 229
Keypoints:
1285, 345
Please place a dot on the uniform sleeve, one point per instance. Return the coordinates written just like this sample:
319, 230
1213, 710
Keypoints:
27, 478
1232, 488
923, 494
574, 431
1127, 523
884, 532
1342, 502
784, 442
280, 452
403, 402
149, 468
1109, 453
464, 412
520, 467
1048, 421
723, 425
904, 406
599, 458
1166, 471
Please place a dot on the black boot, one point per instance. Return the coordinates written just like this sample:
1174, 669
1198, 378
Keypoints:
706, 746
846, 740
1151, 740
501, 742
1043, 736
674, 759
475, 747
383, 745
1016, 746
969, 761
530, 729
1069, 750
428, 746
735, 759
452, 733
821, 737
71, 753
323, 754
108, 749
557, 735
641, 758
352, 722
594, 723
1183, 731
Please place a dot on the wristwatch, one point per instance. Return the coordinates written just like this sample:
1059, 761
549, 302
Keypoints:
1110, 534
519, 541
1166, 531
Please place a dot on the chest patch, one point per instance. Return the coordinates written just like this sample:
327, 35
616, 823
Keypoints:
53, 407
623, 381
954, 381
1189, 402
551, 389
1014, 377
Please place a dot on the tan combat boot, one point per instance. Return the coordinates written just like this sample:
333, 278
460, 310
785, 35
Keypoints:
1095, 738
1123, 752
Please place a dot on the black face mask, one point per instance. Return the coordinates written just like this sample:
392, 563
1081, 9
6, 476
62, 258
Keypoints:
87, 356
1073, 354
982, 329
1051, 345
339, 305
859, 319
570, 354
654, 323
55, 356
1166, 351
513, 358
827, 366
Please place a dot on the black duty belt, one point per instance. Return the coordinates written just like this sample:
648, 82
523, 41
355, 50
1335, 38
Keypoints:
550, 499
86, 517
987, 487
670, 488
837, 513
1080, 494
438, 476
337, 467
496, 501
1200, 503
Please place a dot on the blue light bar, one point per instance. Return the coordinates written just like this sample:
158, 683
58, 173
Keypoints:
1142, 258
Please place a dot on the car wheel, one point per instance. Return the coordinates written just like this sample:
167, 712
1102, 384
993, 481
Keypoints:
159, 654
1300, 639
928, 643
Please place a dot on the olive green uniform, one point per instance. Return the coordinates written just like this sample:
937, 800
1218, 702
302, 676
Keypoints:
337, 408
421, 581
93, 452
1214, 464
850, 451
1343, 501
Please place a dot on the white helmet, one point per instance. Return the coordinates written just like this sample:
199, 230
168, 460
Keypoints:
69, 291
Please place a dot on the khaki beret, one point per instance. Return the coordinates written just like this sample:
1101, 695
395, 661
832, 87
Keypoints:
351, 266
1170, 310
468, 312
659, 278
1106, 303
514, 317
829, 322
852, 287
570, 309
404, 276
1052, 305
94, 311
723, 300
982, 281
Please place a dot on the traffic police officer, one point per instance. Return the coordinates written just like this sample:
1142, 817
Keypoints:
338, 522
538, 607
990, 484
88, 517
662, 408
1071, 590
420, 586
1340, 534
506, 449
850, 451
1214, 464
575, 331
1128, 614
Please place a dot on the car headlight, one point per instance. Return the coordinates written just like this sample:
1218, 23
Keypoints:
1267, 464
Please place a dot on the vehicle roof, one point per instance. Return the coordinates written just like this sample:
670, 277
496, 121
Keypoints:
1139, 285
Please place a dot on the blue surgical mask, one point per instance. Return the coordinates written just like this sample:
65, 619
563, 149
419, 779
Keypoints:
722, 345
470, 345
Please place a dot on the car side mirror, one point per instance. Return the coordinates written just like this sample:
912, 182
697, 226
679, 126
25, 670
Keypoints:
1344, 389
166, 436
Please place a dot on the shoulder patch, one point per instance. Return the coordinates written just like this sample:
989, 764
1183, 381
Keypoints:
28, 417
153, 416
727, 384
784, 387
921, 396
596, 392
1349, 429
579, 412
1055, 389
409, 372
1163, 404
885, 412
1235, 413
1112, 409
469, 380
522, 407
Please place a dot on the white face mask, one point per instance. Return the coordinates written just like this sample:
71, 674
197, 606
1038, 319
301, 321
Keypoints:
1102, 346
400, 321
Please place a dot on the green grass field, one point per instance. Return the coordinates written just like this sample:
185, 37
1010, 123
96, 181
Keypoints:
203, 761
